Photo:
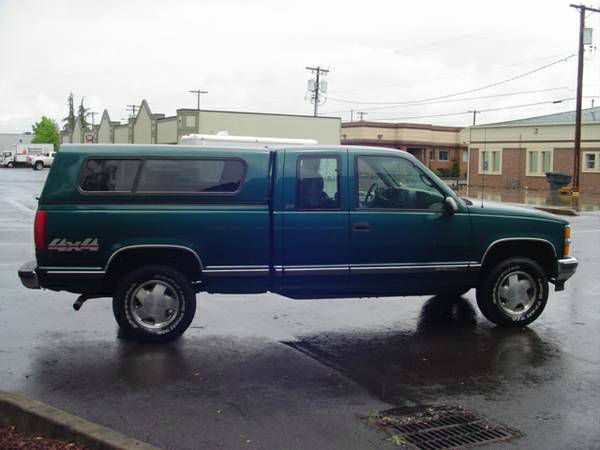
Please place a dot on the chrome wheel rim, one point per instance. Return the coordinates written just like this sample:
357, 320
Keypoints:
516, 293
154, 305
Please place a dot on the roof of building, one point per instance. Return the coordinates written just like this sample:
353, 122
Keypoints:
418, 126
589, 115
7, 140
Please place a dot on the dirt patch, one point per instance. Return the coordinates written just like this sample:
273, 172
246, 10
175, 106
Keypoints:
11, 439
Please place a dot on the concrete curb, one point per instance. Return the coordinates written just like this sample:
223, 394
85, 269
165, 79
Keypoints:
29, 416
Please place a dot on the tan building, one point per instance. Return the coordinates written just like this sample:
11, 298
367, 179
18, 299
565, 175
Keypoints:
435, 146
149, 128
517, 154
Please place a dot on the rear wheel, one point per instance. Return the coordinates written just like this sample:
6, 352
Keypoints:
154, 303
39, 165
513, 293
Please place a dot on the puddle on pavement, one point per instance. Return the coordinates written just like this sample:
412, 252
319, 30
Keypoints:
585, 201
448, 353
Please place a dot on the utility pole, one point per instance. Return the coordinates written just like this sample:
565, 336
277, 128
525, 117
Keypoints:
577, 150
93, 114
198, 92
475, 112
361, 115
317, 87
132, 109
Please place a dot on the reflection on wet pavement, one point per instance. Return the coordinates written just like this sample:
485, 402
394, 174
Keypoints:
448, 353
585, 201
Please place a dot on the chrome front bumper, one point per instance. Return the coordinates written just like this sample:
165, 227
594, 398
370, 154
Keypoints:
566, 267
28, 276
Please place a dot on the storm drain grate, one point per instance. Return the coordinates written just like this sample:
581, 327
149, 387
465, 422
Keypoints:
439, 427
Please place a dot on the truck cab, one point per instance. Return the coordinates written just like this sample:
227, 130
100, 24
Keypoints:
151, 226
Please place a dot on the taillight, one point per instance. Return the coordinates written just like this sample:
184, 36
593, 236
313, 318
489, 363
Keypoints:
39, 230
567, 243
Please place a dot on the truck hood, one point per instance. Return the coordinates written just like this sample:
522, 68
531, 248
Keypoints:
506, 209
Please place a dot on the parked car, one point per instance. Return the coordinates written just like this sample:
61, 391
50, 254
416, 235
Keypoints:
151, 226
38, 162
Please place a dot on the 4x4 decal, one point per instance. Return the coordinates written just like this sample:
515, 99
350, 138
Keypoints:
62, 245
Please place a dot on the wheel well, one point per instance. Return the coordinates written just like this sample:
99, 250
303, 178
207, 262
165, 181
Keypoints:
127, 260
541, 252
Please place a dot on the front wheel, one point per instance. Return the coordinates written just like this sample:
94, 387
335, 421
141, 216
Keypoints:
10, 165
154, 303
513, 293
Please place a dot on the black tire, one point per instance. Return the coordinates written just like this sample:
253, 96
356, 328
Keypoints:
127, 306
10, 165
38, 165
530, 296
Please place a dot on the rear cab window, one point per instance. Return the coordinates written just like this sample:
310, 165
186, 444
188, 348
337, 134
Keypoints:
163, 175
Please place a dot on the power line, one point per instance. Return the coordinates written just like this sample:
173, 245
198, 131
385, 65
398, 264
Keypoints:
460, 113
447, 77
498, 83
506, 94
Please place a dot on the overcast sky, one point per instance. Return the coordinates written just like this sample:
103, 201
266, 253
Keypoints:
251, 56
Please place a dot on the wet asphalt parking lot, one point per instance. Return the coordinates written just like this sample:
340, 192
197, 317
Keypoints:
265, 372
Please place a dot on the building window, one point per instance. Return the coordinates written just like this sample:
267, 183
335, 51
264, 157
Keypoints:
539, 162
465, 156
443, 155
432, 155
591, 162
490, 162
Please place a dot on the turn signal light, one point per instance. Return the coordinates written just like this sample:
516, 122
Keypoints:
39, 230
567, 244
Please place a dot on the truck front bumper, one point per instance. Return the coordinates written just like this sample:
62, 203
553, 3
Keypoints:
28, 275
566, 267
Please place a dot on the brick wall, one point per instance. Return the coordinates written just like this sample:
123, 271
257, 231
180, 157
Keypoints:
513, 171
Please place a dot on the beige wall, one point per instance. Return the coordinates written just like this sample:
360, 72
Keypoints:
104, 131
77, 136
324, 130
121, 134
166, 132
142, 126
405, 134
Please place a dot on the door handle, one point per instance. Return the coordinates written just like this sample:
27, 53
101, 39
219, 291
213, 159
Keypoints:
361, 226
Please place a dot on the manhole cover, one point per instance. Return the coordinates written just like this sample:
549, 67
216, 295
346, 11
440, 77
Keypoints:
439, 427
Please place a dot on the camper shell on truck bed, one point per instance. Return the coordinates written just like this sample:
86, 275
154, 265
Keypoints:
151, 225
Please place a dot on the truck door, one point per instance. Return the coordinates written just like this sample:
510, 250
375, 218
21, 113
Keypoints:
402, 238
314, 220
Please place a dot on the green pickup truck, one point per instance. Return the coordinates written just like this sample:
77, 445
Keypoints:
151, 226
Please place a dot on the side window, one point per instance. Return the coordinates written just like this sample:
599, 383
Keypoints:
317, 182
109, 175
222, 176
387, 182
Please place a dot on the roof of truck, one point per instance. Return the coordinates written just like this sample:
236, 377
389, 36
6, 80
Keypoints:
179, 150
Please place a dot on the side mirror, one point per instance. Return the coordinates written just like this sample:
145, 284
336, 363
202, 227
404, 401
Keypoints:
450, 205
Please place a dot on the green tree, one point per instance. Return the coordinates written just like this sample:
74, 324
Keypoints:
70, 119
83, 115
46, 132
